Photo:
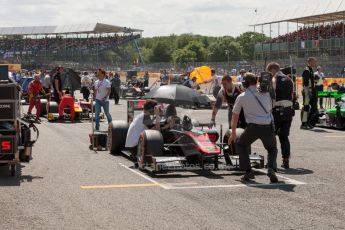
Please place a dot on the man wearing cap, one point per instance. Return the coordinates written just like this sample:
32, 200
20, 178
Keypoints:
139, 124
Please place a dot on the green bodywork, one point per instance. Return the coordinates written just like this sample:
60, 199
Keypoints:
332, 94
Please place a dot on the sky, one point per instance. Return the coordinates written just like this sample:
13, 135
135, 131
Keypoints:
155, 17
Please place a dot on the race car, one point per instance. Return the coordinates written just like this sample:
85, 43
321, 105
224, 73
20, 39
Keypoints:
82, 111
333, 117
180, 145
134, 89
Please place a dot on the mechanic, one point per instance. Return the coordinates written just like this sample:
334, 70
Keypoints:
34, 90
140, 123
102, 91
319, 81
229, 92
282, 91
257, 107
85, 86
115, 85
67, 100
309, 111
57, 84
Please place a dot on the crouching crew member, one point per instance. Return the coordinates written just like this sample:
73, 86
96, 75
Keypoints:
34, 90
141, 123
309, 111
257, 108
228, 93
282, 91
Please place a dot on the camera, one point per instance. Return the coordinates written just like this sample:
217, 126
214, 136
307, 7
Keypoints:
15, 132
265, 82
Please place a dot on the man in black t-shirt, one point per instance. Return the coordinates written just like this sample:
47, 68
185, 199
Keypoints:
309, 111
57, 84
229, 92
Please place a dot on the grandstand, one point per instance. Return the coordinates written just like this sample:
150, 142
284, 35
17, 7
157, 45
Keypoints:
313, 30
69, 43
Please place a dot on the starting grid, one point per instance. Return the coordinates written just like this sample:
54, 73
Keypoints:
283, 181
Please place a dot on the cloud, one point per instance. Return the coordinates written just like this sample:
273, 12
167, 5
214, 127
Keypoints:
155, 17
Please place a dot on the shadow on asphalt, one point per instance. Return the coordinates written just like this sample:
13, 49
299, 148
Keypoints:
295, 171
320, 130
281, 185
7, 180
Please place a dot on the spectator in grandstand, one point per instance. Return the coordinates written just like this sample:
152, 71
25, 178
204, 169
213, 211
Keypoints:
85, 86
57, 84
319, 81
102, 91
34, 90
115, 86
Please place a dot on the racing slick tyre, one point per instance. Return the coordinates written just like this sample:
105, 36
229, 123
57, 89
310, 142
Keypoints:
44, 103
117, 134
230, 150
150, 144
53, 107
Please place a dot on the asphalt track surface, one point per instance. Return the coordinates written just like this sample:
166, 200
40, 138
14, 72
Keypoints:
68, 186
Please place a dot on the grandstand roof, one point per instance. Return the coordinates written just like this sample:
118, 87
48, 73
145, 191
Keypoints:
66, 29
324, 11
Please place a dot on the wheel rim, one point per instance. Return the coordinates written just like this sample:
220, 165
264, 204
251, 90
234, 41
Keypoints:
140, 152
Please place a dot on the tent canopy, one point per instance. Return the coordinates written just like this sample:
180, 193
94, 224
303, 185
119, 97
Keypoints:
324, 11
66, 29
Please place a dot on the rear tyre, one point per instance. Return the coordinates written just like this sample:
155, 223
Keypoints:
117, 134
53, 107
44, 103
150, 144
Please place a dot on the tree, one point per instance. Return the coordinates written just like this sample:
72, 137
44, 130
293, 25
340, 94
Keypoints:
217, 50
183, 40
161, 52
184, 56
198, 48
248, 41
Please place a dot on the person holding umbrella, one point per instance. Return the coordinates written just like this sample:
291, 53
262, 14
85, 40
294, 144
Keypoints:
141, 123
